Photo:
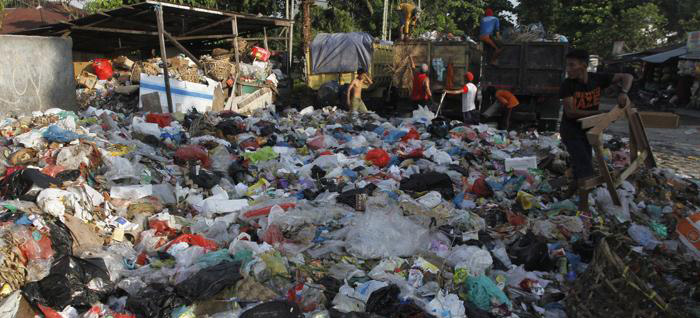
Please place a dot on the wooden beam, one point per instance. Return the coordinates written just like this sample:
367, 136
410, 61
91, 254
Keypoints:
605, 174
203, 37
263, 39
632, 168
112, 30
234, 26
208, 26
184, 50
590, 121
164, 56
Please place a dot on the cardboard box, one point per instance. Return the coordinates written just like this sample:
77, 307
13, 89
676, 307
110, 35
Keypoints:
79, 67
660, 120
87, 80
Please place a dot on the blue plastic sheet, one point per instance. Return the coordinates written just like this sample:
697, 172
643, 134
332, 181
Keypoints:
58, 134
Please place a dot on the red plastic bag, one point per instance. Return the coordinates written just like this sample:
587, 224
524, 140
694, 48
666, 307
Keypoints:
34, 244
481, 188
103, 68
194, 239
273, 235
317, 142
266, 210
162, 228
378, 157
411, 135
48, 312
52, 170
163, 120
193, 152
260, 53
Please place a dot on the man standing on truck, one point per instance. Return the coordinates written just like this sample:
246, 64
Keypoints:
468, 92
581, 92
490, 25
354, 95
421, 94
407, 18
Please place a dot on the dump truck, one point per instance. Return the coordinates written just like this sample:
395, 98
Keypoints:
533, 72
459, 57
333, 61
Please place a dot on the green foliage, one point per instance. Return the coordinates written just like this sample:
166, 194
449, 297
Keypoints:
597, 25
265, 7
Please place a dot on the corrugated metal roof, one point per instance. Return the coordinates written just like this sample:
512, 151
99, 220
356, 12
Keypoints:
21, 19
665, 56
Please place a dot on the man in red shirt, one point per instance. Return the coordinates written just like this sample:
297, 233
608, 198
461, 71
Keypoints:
421, 95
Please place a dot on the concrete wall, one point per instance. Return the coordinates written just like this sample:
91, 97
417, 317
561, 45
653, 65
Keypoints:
36, 73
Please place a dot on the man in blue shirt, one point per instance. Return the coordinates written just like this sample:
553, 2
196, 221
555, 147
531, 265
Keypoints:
489, 26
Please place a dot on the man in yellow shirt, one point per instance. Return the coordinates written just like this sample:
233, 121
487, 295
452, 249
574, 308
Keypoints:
407, 19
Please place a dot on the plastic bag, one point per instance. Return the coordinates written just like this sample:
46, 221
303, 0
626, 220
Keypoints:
474, 259
316, 143
643, 235
429, 181
193, 239
274, 309
155, 301
58, 134
163, 120
103, 69
378, 157
208, 282
532, 252
193, 152
264, 154
378, 234
481, 290
72, 281
446, 306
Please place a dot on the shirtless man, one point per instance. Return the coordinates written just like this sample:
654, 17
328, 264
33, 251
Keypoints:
354, 96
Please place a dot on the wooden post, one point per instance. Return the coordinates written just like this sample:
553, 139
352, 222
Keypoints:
164, 56
265, 38
234, 25
289, 50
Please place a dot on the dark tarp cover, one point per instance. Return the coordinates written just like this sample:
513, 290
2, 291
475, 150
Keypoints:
341, 52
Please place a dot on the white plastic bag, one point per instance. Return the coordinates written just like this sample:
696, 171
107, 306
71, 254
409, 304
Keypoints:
447, 306
475, 259
379, 234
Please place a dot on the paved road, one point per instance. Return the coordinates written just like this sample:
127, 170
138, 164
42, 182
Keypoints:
678, 149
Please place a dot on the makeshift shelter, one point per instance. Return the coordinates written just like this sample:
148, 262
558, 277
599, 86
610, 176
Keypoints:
192, 30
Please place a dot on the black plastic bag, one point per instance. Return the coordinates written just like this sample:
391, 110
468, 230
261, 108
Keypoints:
237, 172
473, 311
337, 314
274, 309
429, 181
203, 178
20, 182
331, 287
156, 301
209, 281
531, 251
317, 172
229, 128
439, 128
68, 175
71, 281
384, 301
350, 197
61, 240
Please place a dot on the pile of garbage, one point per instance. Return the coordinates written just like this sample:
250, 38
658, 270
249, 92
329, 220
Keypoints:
119, 84
533, 32
315, 213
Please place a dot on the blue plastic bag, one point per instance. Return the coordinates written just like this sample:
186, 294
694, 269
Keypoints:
58, 134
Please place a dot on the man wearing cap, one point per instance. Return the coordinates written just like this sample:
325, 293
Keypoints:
490, 25
421, 94
468, 92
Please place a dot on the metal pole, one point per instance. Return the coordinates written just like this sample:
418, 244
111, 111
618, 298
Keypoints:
164, 57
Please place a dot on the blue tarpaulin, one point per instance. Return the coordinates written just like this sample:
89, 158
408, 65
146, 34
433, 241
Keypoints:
341, 52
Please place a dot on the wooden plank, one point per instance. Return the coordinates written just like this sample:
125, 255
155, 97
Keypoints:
590, 121
644, 140
203, 37
605, 174
265, 40
208, 26
112, 30
164, 56
187, 52
590, 183
660, 120
632, 168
